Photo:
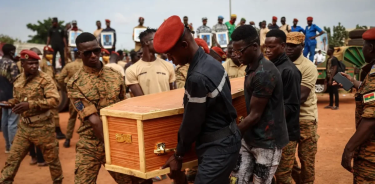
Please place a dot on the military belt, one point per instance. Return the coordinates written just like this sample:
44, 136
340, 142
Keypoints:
33, 119
219, 134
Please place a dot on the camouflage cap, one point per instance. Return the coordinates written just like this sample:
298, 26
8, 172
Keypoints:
295, 38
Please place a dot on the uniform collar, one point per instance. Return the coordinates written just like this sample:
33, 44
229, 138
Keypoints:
281, 59
299, 60
195, 59
93, 70
29, 78
232, 64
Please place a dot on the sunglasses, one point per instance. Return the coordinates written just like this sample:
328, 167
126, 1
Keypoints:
89, 52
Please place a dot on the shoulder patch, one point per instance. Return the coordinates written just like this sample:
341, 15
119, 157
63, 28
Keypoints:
372, 71
79, 105
368, 97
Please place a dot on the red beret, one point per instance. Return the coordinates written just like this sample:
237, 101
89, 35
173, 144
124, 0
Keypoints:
141, 18
168, 34
114, 52
107, 20
369, 34
202, 44
46, 48
309, 18
219, 51
29, 55
105, 51
274, 18
295, 20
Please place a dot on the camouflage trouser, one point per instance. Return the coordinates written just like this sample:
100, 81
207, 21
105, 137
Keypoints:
364, 171
284, 171
71, 122
45, 139
56, 118
307, 148
90, 157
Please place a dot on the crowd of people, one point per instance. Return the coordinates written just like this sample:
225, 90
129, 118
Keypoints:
279, 90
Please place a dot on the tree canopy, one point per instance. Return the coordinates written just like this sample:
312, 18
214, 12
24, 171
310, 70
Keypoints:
8, 39
337, 37
41, 29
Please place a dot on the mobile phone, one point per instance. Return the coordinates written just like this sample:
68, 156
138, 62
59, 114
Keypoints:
346, 84
5, 105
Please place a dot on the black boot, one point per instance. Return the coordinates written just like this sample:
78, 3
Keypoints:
67, 143
59, 134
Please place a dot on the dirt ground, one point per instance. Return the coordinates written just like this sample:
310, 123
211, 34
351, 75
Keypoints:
335, 129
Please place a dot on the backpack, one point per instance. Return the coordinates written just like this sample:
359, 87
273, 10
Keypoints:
340, 67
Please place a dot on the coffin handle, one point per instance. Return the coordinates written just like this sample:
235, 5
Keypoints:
160, 149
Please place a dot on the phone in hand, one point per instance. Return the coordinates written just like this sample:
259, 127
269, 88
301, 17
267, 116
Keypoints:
346, 84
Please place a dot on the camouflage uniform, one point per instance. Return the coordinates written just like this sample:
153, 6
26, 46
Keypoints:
36, 125
284, 170
46, 67
67, 72
364, 158
181, 74
91, 90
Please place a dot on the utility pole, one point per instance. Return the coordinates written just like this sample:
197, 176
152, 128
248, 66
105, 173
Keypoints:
230, 8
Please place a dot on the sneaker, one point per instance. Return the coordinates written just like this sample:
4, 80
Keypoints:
335, 108
328, 107
7, 151
67, 143
43, 164
33, 161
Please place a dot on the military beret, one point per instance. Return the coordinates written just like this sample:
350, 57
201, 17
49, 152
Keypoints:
29, 55
274, 18
295, 19
309, 18
369, 34
219, 51
202, 44
46, 48
105, 51
141, 18
107, 20
295, 38
168, 34
114, 52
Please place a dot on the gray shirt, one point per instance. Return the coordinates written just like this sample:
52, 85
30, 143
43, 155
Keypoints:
203, 29
219, 28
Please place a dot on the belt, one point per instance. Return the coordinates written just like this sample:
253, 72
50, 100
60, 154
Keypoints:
33, 119
219, 134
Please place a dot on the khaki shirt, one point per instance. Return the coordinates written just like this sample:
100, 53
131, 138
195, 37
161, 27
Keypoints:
286, 28
262, 35
97, 33
46, 67
233, 70
122, 63
68, 71
116, 67
181, 74
91, 89
153, 77
309, 109
39, 90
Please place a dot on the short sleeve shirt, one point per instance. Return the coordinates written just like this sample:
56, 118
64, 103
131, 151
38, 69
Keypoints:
233, 70
264, 81
56, 35
262, 35
203, 29
219, 28
311, 31
153, 77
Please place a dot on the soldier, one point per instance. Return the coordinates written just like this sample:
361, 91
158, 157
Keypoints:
181, 71
67, 72
35, 93
46, 67
90, 89
233, 67
209, 116
361, 146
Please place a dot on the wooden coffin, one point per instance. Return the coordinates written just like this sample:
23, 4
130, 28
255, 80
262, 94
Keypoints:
135, 127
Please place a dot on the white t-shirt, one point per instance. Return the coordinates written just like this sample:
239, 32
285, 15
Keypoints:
319, 58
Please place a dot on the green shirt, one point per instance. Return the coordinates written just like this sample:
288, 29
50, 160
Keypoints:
231, 28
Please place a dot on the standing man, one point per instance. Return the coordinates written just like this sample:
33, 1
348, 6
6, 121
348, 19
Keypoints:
274, 24
285, 27
138, 45
318, 58
8, 74
186, 23
150, 74
233, 66
310, 41
264, 130
252, 23
219, 27
109, 29
121, 61
296, 28
92, 88
98, 30
231, 25
331, 69
34, 95
75, 27
56, 36
242, 22
209, 116
204, 28
262, 35
67, 72
360, 147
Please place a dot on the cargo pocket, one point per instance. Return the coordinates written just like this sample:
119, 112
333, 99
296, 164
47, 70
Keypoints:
51, 151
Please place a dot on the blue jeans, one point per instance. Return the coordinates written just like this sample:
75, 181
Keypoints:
9, 122
309, 48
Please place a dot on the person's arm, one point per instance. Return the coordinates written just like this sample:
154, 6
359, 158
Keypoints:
263, 84
180, 78
136, 89
172, 76
310, 75
351, 79
115, 40
292, 97
320, 32
63, 74
131, 81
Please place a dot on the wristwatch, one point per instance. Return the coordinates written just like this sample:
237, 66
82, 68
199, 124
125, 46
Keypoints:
179, 158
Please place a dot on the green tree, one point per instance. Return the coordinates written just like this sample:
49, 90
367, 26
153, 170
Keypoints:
337, 37
360, 27
41, 29
8, 39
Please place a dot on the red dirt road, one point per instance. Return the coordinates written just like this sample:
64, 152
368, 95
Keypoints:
335, 129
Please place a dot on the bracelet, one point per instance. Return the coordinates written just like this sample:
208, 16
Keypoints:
179, 158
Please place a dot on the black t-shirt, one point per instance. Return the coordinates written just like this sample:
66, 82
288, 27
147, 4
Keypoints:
263, 80
56, 34
331, 63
